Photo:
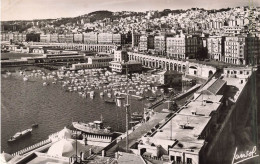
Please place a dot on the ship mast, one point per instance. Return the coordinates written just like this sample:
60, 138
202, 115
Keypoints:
127, 106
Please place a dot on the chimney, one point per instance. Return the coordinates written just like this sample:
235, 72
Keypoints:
133, 38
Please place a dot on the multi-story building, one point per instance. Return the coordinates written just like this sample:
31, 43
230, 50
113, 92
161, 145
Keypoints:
235, 50
17, 37
170, 78
117, 39
46, 38
135, 39
62, 38
120, 56
69, 38
252, 49
54, 38
232, 31
121, 67
215, 45
93, 62
160, 44
183, 46
146, 42
78, 38
105, 38
90, 38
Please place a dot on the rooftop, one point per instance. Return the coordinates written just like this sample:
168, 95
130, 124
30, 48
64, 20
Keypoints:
200, 108
128, 158
195, 124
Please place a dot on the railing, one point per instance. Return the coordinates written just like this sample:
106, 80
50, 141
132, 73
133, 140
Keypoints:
33, 147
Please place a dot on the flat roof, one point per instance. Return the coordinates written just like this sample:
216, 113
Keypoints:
209, 97
237, 87
238, 68
128, 158
201, 108
197, 123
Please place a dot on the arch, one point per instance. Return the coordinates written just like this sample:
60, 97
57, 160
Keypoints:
175, 67
183, 68
179, 67
167, 66
193, 67
171, 66
210, 73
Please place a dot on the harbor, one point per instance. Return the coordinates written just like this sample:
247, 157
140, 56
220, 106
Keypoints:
54, 99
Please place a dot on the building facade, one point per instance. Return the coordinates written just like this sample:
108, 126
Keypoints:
160, 44
215, 45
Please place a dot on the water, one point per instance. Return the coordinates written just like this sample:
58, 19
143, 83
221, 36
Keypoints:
25, 103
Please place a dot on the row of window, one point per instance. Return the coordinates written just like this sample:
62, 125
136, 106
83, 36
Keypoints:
179, 159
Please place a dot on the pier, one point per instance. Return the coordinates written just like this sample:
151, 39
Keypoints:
33, 147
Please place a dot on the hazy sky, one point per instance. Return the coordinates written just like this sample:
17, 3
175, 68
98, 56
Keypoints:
41, 9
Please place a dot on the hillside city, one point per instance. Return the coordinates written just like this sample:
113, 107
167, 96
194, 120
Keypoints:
193, 73
222, 35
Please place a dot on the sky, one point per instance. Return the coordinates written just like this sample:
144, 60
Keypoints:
44, 9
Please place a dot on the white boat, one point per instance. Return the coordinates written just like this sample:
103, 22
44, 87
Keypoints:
95, 127
8, 73
25, 78
109, 95
20, 134
92, 94
45, 83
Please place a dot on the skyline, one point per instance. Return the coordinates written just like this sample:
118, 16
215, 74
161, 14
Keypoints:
48, 9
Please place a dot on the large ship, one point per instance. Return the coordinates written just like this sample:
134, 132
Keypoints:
95, 127
20, 134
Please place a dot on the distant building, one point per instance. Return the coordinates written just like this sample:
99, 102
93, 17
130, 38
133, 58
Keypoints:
54, 38
120, 56
252, 50
183, 46
105, 38
241, 73
215, 45
121, 67
160, 44
170, 78
232, 30
117, 38
62, 38
46, 38
78, 38
146, 42
69, 38
93, 62
235, 50
90, 38
135, 39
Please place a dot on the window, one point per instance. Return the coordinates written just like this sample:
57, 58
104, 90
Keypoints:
189, 161
172, 158
178, 159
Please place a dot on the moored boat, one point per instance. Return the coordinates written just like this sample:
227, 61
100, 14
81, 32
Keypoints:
95, 127
20, 134
35, 125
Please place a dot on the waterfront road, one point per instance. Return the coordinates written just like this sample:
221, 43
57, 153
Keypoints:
137, 133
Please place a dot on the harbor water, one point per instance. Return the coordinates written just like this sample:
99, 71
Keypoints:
24, 103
